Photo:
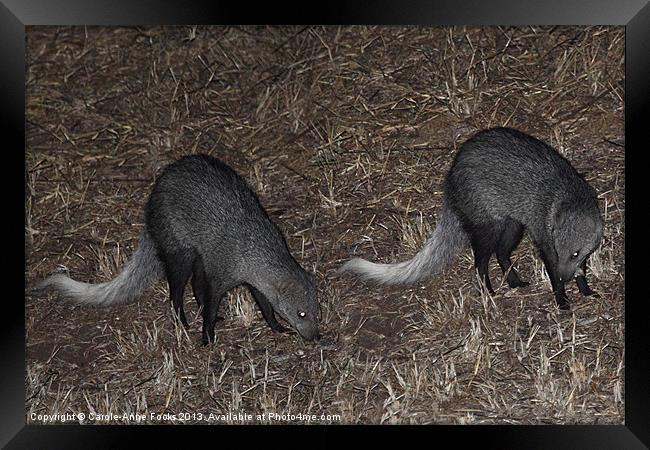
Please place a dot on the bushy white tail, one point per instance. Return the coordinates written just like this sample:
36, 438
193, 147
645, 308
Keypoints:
442, 246
143, 268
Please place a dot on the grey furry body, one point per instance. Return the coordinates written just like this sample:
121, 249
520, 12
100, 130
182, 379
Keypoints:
501, 182
203, 221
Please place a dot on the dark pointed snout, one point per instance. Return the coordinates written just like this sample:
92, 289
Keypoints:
566, 274
309, 333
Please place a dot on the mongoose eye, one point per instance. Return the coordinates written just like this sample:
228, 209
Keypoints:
574, 255
301, 314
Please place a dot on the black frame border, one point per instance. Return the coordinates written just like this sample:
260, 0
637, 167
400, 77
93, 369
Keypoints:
15, 15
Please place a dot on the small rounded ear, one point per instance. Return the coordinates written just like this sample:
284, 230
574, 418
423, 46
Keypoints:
283, 286
559, 217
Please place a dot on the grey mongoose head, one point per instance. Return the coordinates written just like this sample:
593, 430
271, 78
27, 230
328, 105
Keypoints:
300, 308
295, 300
576, 233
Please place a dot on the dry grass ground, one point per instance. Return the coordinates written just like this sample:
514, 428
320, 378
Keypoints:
345, 133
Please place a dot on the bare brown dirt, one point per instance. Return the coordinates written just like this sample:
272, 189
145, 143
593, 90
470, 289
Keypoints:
345, 133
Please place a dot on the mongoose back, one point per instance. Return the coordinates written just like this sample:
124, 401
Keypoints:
203, 221
500, 183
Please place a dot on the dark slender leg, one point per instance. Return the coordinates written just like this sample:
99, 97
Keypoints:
558, 286
213, 299
179, 269
267, 310
509, 240
199, 282
483, 243
581, 280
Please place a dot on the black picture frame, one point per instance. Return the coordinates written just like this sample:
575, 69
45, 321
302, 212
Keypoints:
16, 14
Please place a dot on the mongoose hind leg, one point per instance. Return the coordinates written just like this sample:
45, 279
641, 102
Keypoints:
213, 298
484, 241
178, 269
511, 235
